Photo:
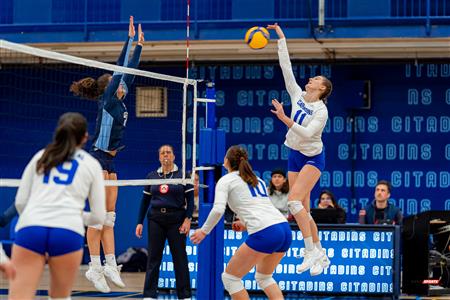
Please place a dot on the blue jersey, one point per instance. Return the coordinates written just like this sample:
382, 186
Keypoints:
176, 196
112, 113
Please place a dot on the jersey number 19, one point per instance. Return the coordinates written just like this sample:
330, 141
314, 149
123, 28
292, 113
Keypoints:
65, 174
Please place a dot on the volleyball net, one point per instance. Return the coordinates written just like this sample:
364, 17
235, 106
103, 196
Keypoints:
35, 87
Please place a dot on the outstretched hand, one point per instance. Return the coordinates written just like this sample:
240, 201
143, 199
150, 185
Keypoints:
140, 35
131, 31
279, 111
198, 236
277, 29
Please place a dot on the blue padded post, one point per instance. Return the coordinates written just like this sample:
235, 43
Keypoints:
210, 251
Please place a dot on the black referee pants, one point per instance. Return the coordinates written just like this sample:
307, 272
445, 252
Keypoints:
162, 226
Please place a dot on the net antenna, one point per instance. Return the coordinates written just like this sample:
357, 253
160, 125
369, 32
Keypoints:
13, 54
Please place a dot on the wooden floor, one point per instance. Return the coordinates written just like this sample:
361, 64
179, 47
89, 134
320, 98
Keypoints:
83, 290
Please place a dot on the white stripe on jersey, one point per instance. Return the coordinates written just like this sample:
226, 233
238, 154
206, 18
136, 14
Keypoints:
309, 118
251, 204
57, 199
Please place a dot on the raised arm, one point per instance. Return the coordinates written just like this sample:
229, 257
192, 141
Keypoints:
128, 78
292, 87
121, 61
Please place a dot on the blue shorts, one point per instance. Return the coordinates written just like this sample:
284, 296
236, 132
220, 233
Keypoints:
105, 159
275, 238
297, 160
51, 240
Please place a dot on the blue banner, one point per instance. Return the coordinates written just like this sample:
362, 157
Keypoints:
362, 261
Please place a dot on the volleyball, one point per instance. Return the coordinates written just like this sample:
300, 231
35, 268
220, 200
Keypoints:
257, 37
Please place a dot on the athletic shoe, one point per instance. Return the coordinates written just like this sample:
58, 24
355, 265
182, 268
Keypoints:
310, 258
113, 273
96, 276
322, 264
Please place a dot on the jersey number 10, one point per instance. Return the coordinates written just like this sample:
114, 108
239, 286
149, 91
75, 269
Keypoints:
259, 190
65, 174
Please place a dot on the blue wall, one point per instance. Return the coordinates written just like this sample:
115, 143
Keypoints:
403, 137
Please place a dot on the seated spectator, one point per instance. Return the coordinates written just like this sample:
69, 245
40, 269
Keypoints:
328, 201
380, 210
278, 191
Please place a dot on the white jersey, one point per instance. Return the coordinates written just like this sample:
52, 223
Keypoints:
57, 199
309, 118
251, 204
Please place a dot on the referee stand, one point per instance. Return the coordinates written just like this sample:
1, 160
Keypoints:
210, 251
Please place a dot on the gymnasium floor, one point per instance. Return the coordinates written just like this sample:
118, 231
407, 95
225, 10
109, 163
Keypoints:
135, 281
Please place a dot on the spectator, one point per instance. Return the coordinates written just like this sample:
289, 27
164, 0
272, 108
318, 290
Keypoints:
328, 201
278, 191
380, 210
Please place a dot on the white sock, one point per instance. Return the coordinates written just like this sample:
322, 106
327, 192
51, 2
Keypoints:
111, 260
318, 245
309, 245
95, 260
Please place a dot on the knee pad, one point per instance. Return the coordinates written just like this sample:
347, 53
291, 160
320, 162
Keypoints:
295, 206
110, 219
310, 218
63, 298
232, 283
98, 226
264, 280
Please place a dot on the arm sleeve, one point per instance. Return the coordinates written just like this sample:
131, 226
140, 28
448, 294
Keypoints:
145, 205
26, 182
315, 126
121, 61
128, 78
97, 199
218, 209
292, 87
189, 195
8, 215
123, 57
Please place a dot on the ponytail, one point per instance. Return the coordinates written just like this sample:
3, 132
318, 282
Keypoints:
238, 159
69, 134
328, 89
89, 87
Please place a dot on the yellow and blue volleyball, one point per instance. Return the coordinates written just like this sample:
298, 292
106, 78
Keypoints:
257, 37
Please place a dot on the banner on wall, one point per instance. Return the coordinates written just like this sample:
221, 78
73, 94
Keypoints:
362, 261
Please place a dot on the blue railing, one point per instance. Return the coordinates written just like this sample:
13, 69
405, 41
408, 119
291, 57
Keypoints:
420, 8
87, 16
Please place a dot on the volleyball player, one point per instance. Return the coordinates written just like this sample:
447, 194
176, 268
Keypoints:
111, 121
269, 233
50, 201
306, 154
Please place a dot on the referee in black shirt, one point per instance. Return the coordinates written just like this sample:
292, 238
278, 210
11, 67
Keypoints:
169, 209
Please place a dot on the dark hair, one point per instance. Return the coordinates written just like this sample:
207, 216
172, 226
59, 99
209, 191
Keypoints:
331, 195
90, 88
386, 183
238, 159
69, 134
165, 145
328, 89
284, 188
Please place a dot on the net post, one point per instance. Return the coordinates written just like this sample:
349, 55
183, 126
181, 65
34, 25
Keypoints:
210, 252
